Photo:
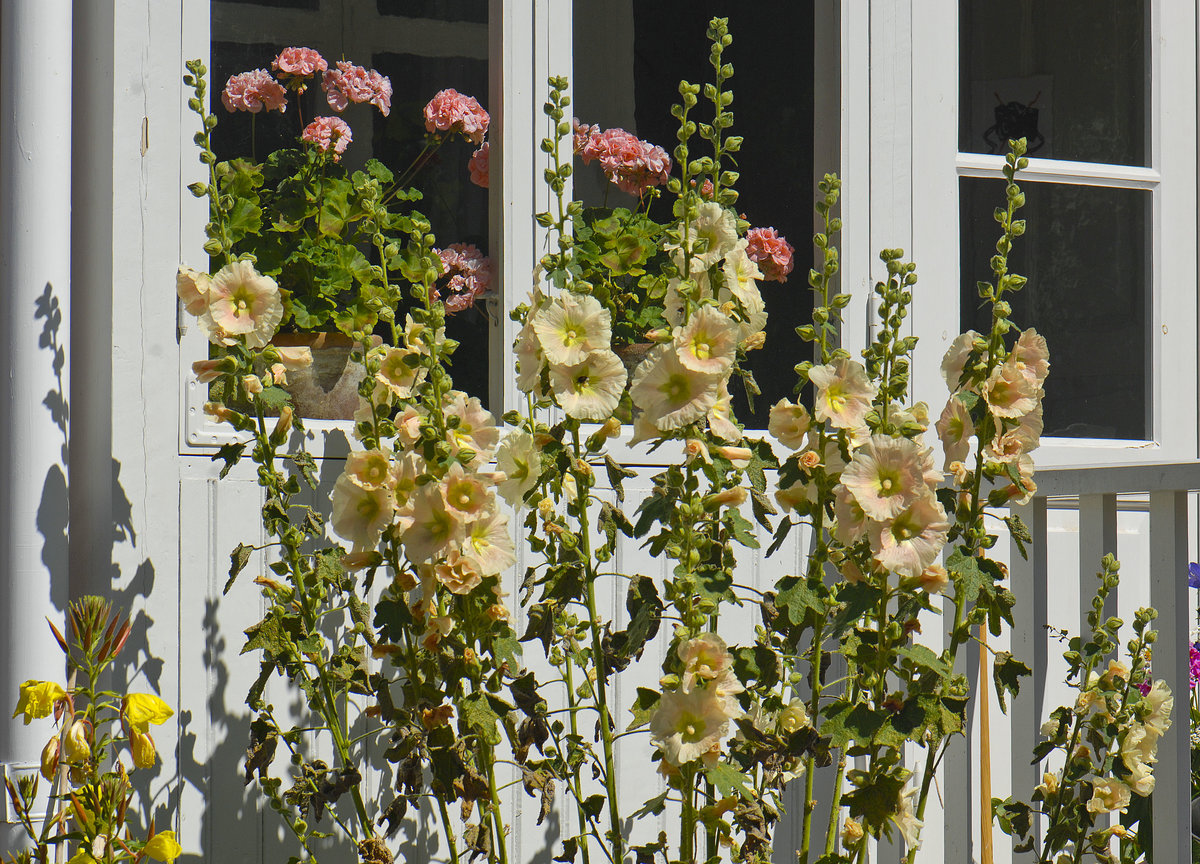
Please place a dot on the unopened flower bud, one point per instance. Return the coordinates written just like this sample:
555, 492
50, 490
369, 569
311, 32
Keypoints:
142, 746
221, 413
582, 468
659, 335
361, 560
207, 371
283, 426
755, 341
50, 758
734, 497
810, 459
76, 746
499, 612
546, 508
279, 373
738, 456
252, 384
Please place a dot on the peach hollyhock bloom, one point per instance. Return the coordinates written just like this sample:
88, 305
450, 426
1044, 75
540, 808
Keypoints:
242, 302
844, 394
253, 91
296, 65
954, 429
851, 522
740, 287
37, 698
794, 717
396, 375
1024, 492
370, 469
1139, 747
479, 165
465, 492
431, 526
1108, 795
887, 474
476, 428
406, 468
698, 287
408, 425
590, 389
706, 657
207, 371
1024, 437
192, 287
708, 342
458, 573
571, 326
772, 252
906, 819
291, 359
788, 423
360, 513
163, 847
671, 395
328, 133
720, 416
685, 726
1032, 351
142, 709
521, 461
1049, 785
912, 540
530, 361
711, 235
1011, 390
694, 449
349, 83
488, 543
791, 497
955, 360
1161, 703
934, 579
450, 111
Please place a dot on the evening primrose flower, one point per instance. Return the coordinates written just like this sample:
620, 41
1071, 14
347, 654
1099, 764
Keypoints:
360, 513
142, 747
571, 326
887, 474
242, 302
521, 461
708, 342
142, 709
844, 393
788, 423
37, 699
590, 389
163, 847
669, 394
685, 726
910, 542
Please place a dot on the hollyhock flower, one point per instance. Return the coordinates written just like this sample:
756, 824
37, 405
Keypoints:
1012, 390
521, 461
1141, 779
571, 326
794, 717
934, 579
406, 468
192, 286
844, 393
1139, 748
36, 699
698, 288
296, 65
421, 337
487, 542
369, 469
450, 111
739, 286
1024, 437
397, 376
349, 83
955, 360
771, 251
466, 492
430, 526
326, 133
788, 423
1161, 703
711, 235
242, 302
476, 428
1049, 785
530, 361
720, 416
1023, 492
1108, 795
478, 165
142, 709
253, 91
1032, 351
954, 429
887, 474
687, 725
911, 541
705, 657
458, 573
851, 521
670, 394
469, 273
906, 819
708, 342
360, 513
592, 388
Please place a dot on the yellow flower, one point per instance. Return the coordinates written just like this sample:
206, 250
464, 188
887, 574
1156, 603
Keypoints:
37, 699
142, 709
82, 857
163, 847
142, 747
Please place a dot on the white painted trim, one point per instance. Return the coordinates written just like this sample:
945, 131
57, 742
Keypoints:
1061, 171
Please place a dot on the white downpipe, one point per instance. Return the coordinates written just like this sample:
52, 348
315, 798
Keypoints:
35, 231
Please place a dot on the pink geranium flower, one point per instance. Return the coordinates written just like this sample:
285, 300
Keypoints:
450, 111
296, 65
328, 133
630, 163
349, 83
469, 272
479, 164
253, 91
771, 252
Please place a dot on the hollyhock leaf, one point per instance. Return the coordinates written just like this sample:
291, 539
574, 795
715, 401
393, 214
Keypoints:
762, 508
856, 600
876, 802
742, 529
617, 473
781, 532
269, 637
274, 397
848, 723
923, 658
478, 714
756, 663
729, 780
798, 599
653, 806
238, 559
968, 578
541, 624
643, 708
507, 650
1007, 672
1021, 536
231, 453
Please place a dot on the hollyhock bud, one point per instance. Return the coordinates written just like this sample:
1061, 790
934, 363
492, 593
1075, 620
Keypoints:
252, 384
739, 457
852, 834
810, 459
50, 758
282, 426
734, 497
207, 371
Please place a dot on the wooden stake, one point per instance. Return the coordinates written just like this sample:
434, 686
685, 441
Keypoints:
985, 753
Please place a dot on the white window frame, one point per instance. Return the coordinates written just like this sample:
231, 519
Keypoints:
1170, 177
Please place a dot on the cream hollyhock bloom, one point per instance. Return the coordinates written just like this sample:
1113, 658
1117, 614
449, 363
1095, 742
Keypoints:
788, 423
408, 425
571, 326
843, 393
955, 429
430, 527
458, 573
886, 475
370, 468
521, 461
420, 336
476, 430
1161, 704
955, 360
720, 416
488, 543
242, 302
360, 513
906, 819
911, 541
395, 376
708, 342
851, 521
1012, 390
1108, 795
698, 287
192, 286
706, 658
530, 361
794, 717
406, 468
466, 492
685, 726
711, 235
739, 288
1139, 747
1049, 785
1024, 437
669, 394
1031, 350
590, 389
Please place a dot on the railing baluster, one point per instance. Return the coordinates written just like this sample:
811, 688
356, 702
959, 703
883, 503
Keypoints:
1168, 594
1028, 643
1097, 538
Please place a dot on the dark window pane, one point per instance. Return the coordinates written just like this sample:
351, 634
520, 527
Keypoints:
243, 40
629, 59
1072, 76
442, 10
1087, 259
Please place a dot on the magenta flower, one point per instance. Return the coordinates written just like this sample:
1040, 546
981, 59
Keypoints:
478, 166
328, 132
296, 65
349, 83
469, 272
253, 91
771, 252
450, 111
1194, 663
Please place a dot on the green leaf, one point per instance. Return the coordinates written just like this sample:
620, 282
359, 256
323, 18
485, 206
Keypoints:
875, 802
231, 453
274, 398
238, 559
742, 529
1019, 533
729, 780
923, 658
617, 473
478, 714
798, 599
643, 707
245, 217
1007, 671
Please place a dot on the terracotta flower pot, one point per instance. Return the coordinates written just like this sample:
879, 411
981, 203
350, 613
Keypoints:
328, 389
